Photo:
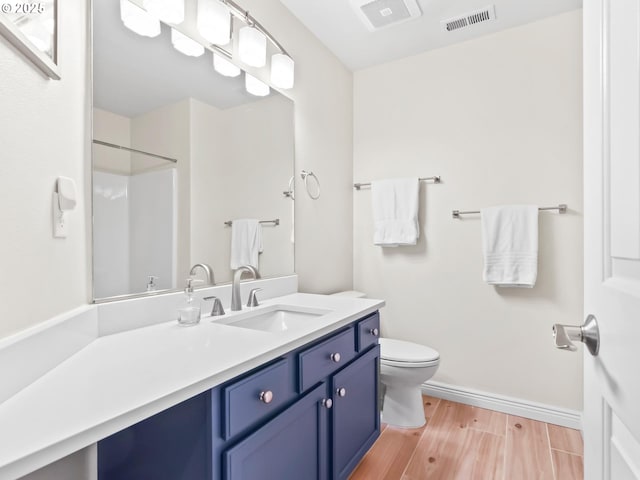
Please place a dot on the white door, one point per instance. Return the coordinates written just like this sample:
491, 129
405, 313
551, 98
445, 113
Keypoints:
612, 237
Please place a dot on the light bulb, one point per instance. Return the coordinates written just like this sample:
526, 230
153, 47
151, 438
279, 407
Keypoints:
224, 66
282, 71
185, 45
138, 21
252, 46
214, 21
255, 86
168, 11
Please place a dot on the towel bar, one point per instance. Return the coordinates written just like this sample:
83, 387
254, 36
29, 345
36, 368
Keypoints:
435, 179
275, 222
562, 208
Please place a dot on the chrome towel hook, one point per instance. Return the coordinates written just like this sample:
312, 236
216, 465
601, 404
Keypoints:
305, 176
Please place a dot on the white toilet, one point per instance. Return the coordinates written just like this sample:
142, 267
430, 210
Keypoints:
404, 367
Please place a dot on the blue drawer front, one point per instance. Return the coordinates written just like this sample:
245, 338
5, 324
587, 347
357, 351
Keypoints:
367, 332
318, 362
242, 403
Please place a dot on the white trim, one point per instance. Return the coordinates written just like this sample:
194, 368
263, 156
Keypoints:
501, 403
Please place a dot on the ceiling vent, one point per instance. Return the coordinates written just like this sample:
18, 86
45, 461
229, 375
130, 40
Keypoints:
485, 14
379, 14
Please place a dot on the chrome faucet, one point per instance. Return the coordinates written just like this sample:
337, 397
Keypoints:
207, 269
236, 301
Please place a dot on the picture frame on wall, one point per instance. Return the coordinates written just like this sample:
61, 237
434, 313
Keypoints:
32, 28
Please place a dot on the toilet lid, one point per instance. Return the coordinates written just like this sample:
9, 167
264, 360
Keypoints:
401, 351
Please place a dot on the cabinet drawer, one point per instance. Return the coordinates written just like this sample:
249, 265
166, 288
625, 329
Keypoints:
322, 360
367, 332
252, 399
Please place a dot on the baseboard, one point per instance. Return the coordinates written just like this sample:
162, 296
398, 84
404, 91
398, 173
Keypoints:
504, 404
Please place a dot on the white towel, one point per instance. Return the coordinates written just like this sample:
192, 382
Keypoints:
395, 211
510, 245
246, 242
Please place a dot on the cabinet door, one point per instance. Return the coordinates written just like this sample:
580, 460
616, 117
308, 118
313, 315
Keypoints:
293, 446
355, 414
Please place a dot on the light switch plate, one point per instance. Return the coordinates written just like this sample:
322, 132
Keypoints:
60, 228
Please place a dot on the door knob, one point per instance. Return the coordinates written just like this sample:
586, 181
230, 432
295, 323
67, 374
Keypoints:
266, 397
588, 334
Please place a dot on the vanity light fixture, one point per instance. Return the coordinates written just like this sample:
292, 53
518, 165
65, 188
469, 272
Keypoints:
224, 66
214, 21
255, 86
168, 11
138, 20
185, 45
252, 46
282, 70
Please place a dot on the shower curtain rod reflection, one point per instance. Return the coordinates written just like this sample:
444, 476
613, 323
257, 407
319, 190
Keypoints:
120, 147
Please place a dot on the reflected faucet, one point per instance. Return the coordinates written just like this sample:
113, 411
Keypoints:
236, 301
207, 269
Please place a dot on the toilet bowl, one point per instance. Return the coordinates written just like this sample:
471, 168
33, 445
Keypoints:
404, 367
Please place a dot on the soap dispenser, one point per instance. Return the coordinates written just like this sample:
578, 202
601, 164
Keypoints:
189, 311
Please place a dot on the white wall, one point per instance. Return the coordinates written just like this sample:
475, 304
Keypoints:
500, 119
44, 133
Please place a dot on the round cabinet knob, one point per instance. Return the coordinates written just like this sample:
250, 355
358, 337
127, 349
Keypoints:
327, 403
266, 397
374, 332
342, 392
335, 357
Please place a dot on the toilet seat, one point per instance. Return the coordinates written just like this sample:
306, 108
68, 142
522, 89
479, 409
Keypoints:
399, 353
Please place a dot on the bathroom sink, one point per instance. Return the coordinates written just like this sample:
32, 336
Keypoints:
275, 318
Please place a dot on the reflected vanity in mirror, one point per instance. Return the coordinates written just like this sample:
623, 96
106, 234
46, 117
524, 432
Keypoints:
179, 152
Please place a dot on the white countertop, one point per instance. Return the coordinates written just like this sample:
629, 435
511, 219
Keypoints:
120, 379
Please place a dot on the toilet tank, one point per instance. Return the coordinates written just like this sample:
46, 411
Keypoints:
351, 293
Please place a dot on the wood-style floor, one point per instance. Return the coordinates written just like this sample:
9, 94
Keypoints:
464, 442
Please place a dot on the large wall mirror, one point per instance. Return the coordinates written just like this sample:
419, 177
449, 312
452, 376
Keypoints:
179, 152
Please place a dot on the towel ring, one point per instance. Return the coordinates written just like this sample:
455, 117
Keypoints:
305, 176
291, 192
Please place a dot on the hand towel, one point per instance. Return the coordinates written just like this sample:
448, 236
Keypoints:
395, 211
510, 245
246, 242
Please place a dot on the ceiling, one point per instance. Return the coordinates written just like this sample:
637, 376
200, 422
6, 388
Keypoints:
337, 25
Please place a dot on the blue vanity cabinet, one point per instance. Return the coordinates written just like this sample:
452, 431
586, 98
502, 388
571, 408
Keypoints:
311, 414
293, 446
